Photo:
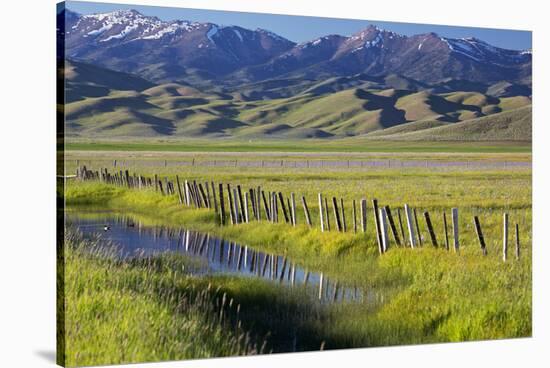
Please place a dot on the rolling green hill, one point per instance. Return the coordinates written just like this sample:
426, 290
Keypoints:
512, 125
103, 103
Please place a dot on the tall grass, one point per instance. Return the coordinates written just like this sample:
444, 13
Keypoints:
138, 311
418, 295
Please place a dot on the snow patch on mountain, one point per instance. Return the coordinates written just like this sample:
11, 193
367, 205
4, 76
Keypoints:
122, 34
238, 34
212, 32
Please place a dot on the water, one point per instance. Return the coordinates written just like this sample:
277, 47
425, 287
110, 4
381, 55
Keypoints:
218, 256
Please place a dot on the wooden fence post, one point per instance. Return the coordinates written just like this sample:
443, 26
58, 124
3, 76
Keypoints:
430, 229
354, 214
180, 195
344, 226
446, 232
410, 226
454, 219
377, 224
293, 208
208, 200
253, 201
517, 242
336, 214
246, 207
222, 205
258, 204
187, 194
383, 231
505, 238
283, 207
266, 207
214, 197
393, 228
480, 235
321, 212
231, 205
306, 211
236, 201
327, 217
417, 228
289, 209
203, 194
364, 215
241, 202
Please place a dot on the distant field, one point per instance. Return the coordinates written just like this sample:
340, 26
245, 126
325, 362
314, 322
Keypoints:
314, 145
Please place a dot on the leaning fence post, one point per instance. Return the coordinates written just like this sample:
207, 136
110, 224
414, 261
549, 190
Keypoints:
187, 194
401, 226
283, 207
430, 229
364, 215
354, 214
293, 208
480, 235
306, 211
454, 218
327, 217
214, 197
446, 233
252, 194
383, 231
393, 228
258, 204
266, 207
246, 206
517, 241
241, 202
231, 205
505, 238
417, 228
321, 212
238, 217
377, 223
180, 196
336, 214
344, 226
222, 205
410, 226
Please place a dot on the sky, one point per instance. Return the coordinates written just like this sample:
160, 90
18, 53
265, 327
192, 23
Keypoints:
303, 28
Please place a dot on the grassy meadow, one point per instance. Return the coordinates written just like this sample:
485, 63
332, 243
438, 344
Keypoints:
423, 295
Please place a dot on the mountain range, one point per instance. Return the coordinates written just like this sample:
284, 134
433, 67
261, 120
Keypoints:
129, 74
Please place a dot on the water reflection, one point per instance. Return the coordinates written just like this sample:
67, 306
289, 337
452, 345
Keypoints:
133, 239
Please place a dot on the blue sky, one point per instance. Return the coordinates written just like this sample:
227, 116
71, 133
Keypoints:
301, 28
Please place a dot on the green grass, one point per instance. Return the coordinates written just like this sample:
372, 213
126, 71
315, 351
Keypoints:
420, 296
128, 312
358, 144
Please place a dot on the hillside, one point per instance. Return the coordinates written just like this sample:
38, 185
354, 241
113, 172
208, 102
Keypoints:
105, 103
512, 125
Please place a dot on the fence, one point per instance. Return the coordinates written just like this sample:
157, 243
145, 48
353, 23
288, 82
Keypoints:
234, 206
317, 163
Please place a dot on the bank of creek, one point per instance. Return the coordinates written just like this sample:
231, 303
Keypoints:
131, 238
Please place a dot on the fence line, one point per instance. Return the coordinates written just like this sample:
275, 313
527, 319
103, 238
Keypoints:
194, 194
312, 164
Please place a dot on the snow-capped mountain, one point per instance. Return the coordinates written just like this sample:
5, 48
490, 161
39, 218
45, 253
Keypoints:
129, 41
159, 50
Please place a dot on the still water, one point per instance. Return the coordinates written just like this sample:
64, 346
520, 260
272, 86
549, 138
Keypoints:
214, 255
